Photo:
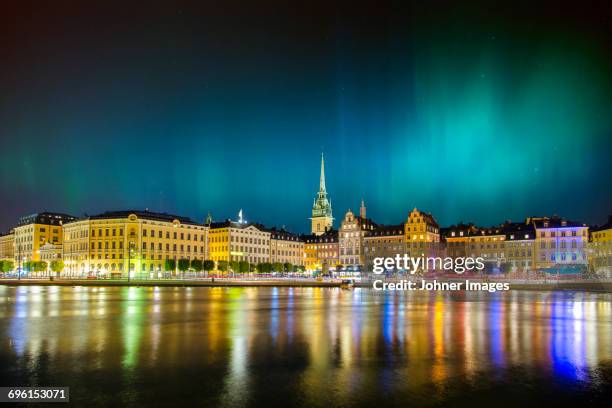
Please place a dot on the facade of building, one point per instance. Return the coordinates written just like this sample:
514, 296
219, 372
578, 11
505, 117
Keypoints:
139, 241
321, 252
239, 241
7, 246
286, 247
50, 252
456, 239
488, 243
422, 235
600, 250
351, 236
34, 231
322, 218
560, 244
519, 251
384, 241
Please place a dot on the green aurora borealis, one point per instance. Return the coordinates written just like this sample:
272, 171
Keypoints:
474, 112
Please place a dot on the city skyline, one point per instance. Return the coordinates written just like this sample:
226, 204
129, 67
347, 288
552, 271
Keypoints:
193, 108
241, 217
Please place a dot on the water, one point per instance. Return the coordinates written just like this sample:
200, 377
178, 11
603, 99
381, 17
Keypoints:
307, 346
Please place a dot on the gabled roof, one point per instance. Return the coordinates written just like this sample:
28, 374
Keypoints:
428, 217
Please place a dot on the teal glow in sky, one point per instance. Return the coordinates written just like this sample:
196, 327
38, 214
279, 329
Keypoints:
472, 113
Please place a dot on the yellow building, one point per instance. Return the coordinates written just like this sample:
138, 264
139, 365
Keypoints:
488, 243
422, 235
239, 241
105, 244
286, 247
560, 245
7, 246
321, 252
600, 250
34, 231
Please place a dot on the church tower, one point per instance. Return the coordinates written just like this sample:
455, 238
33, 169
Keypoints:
322, 219
362, 210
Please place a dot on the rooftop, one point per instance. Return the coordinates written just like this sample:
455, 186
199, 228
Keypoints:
49, 218
144, 214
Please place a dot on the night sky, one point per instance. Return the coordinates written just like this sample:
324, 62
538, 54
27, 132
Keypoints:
479, 112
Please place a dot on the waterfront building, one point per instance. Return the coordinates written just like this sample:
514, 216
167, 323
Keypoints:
350, 238
422, 235
560, 244
50, 252
114, 242
456, 238
239, 241
519, 251
383, 241
600, 250
286, 247
321, 251
488, 243
34, 231
322, 218
7, 246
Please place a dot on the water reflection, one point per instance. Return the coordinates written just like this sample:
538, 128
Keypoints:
302, 346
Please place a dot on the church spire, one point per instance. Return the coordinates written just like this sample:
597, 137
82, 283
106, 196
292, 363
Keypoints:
362, 210
322, 218
322, 178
